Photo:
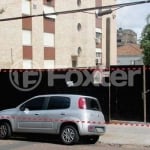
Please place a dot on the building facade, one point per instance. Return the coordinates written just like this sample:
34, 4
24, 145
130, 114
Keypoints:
125, 36
50, 41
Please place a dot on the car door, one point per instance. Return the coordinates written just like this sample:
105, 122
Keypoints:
57, 109
30, 116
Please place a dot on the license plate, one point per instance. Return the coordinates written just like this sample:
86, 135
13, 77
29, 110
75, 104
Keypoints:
100, 129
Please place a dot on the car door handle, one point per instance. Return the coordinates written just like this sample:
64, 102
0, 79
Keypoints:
62, 114
36, 114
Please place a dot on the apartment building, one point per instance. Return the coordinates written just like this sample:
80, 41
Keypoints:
50, 41
126, 36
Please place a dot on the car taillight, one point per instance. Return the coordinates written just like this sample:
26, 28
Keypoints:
82, 103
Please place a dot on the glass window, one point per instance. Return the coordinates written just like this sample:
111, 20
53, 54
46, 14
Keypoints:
92, 104
98, 35
36, 104
27, 37
49, 64
48, 40
27, 64
58, 102
98, 54
26, 7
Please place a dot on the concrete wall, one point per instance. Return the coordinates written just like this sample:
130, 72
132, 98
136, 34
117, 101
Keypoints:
113, 34
10, 35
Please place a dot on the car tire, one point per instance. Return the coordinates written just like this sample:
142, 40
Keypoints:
69, 135
90, 139
5, 130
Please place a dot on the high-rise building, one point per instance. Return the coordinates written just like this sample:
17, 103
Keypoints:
126, 36
56, 41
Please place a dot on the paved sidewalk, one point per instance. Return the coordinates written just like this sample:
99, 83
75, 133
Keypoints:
126, 134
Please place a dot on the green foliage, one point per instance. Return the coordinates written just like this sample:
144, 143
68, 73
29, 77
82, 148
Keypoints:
145, 44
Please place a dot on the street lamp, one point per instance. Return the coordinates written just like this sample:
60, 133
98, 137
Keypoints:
102, 13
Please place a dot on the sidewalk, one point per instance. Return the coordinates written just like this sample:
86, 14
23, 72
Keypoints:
126, 134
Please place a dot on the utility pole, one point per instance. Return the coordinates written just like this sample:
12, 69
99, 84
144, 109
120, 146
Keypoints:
144, 93
108, 37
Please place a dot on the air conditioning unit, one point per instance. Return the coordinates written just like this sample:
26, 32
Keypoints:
97, 40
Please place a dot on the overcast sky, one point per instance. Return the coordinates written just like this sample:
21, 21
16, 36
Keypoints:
133, 17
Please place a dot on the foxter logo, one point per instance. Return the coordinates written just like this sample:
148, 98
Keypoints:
26, 80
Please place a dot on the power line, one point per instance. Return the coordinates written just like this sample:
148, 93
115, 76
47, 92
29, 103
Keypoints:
77, 10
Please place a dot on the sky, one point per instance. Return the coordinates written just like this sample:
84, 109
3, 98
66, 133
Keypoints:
133, 17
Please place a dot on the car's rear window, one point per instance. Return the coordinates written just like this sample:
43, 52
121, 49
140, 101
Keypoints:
92, 104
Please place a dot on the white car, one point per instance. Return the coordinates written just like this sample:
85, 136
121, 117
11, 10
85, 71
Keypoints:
70, 116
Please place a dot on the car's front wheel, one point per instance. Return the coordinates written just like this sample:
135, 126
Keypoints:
5, 130
69, 135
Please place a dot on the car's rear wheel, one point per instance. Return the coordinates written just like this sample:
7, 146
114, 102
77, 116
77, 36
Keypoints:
5, 130
69, 135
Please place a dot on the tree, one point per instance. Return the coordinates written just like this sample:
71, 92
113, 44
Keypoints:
145, 42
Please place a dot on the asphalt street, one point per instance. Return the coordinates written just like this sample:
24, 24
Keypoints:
17, 144
117, 137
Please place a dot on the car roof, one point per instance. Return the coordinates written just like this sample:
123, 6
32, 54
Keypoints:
67, 95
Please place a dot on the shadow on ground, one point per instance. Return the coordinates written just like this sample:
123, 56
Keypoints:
43, 138
54, 139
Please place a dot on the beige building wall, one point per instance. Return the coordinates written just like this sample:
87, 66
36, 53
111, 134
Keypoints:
113, 35
69, 39
37, 35
11, 44
10, 35
70, 44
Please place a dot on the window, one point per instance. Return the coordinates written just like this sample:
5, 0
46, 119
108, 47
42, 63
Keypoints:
92, 104
79, 26
74, 63
119, 40
26, 39
98, 35
79, 2
36, 104
48, 9
98, 54
48, 2
27, 64
132, 62
26, 7
48, 64
79, 51
58, 102
48, 40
